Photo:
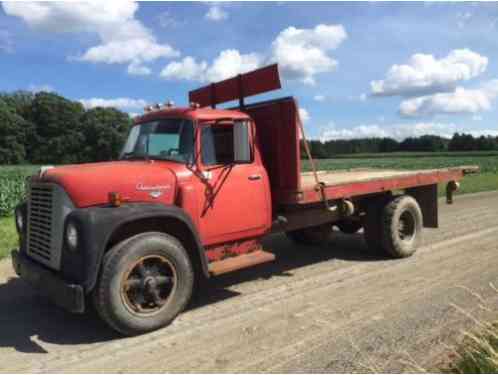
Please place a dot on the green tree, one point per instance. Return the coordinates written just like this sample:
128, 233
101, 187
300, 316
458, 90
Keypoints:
104, 132
20, 101
13, 135
388, 145
58, 129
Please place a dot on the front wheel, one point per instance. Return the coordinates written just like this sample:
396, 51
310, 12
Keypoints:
144, 284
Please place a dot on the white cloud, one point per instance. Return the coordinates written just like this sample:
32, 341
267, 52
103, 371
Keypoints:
186, 69
424, 74
138, 70
460, 101
303, 53
121, 103
304, 115
123, 38
477, 118
133, 114
39, 88
227, 64
398, 131
71, 17
216, 13
319, 98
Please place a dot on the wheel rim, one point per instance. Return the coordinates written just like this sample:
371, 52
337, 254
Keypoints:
406, 226
148, 285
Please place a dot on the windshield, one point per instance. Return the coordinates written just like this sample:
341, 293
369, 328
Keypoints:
165, 139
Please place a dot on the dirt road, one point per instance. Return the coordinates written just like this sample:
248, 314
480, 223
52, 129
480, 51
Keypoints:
328, 309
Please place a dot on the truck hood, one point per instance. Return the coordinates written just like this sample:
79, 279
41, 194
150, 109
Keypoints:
136, 181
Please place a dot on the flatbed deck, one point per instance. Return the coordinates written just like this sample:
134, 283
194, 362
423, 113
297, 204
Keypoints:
355, 182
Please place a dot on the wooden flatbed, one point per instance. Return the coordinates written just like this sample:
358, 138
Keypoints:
356, 182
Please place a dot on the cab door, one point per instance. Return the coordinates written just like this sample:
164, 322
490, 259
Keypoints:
235, 201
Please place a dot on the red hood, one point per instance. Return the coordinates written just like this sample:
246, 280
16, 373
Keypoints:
136, 181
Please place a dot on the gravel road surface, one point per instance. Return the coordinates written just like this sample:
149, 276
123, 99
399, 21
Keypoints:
316, 309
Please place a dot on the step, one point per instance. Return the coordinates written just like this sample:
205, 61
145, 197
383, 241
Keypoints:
242, 261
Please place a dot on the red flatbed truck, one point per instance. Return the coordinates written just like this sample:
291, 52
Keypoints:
193, 194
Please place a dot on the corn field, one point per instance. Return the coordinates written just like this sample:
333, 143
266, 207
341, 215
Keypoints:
12, 181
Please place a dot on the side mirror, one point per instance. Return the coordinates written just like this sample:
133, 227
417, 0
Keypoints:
241, 145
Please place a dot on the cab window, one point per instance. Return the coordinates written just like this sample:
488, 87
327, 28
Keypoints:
226, 143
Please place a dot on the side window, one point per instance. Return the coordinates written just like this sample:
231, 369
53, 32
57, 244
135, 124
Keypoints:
226, 144
217, 142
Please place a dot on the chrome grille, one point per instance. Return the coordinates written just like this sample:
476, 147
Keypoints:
40, 208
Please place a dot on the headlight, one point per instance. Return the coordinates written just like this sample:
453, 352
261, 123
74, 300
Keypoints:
19, 221
72, 236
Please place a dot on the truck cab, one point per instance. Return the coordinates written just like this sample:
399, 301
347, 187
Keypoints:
193, 194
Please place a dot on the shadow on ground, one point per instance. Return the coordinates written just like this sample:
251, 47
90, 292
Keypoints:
26, 318
289, 257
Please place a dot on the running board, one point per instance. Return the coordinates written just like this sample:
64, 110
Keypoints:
242, 261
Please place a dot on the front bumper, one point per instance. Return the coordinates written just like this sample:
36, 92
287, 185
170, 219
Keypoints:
68, 296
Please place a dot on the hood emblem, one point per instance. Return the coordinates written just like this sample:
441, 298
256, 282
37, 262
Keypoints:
155, 191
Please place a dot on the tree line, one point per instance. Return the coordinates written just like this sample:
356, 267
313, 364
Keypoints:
425, 143
46, 128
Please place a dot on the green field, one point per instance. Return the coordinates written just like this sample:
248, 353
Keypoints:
12, 177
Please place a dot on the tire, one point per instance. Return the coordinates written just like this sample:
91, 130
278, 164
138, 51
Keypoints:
145, 282
402, 224
312, 235
349, 226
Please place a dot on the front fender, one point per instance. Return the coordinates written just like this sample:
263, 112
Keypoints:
96, 225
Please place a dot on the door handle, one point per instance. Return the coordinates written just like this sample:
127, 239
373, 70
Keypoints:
254, 177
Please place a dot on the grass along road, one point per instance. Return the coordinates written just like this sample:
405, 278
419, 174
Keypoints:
479, 352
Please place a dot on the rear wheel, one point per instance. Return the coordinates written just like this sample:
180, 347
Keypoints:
145, 283
312, 235
402, 224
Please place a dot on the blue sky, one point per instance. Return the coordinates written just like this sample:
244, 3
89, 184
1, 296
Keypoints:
356, 69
